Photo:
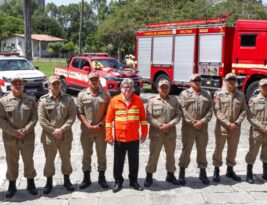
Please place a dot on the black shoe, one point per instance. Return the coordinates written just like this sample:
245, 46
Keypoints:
216, 174
250, 179
102, 180
136, 186
172, 179
231, 174
116, 188
203, 177
67, 184
264, 175
49, 185
181, 178
86, 180
31, 187
149, 180
11, 189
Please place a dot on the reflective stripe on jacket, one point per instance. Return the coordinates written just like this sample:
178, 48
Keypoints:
126, 120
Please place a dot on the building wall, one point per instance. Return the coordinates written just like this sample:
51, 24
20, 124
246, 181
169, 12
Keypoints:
17, 44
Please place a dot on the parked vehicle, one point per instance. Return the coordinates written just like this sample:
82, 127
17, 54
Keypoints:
175, 50
110, 70
35, 82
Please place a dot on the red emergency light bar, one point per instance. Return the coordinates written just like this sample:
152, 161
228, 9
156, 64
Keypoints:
221, 19
9, 54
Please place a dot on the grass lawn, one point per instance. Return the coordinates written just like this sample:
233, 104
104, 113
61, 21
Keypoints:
48, 67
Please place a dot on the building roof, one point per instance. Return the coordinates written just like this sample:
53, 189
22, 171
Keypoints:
43, 37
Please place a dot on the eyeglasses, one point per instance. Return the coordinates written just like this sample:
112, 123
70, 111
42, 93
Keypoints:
231, 79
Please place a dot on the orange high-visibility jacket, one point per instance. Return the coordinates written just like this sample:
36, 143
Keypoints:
127, 119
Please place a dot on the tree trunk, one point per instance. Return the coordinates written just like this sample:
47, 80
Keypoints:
27, 29
81, 27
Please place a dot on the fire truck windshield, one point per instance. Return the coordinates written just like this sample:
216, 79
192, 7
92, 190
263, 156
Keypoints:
15, 64
106, 63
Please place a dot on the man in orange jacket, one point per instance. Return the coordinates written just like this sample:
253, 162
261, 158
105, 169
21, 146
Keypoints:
126, 112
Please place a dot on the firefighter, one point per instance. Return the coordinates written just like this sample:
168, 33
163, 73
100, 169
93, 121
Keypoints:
18, 118
197, 110
92, 106
163, 113
57, 113
127, 112
230, 111
258, 130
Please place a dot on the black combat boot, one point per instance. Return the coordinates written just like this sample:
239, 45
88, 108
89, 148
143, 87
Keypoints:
231, 174
264, 175
149, 180
216, 174
181, 178
203, 177
31, 186
250, 174
171, 178
67, 184
11, 189
49, 185
86, 180
102, 180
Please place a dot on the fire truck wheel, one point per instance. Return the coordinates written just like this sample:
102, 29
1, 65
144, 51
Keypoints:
64, 85
160, 77
252, 89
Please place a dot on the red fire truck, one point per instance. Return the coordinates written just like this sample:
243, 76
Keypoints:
175, 50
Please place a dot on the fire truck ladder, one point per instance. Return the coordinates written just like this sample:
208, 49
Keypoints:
219, 21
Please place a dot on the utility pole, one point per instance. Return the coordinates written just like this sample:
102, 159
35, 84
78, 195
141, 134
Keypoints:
27, 29
81, 27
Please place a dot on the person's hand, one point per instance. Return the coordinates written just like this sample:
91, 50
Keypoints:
265, 130
58, 133
111, 142
94, 128
232, 127
142, 139
198, 125
21, 134
165, 128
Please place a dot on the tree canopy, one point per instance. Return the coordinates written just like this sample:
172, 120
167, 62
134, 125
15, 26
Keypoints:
112, 27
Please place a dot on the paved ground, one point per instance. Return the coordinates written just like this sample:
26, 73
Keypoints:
226, 192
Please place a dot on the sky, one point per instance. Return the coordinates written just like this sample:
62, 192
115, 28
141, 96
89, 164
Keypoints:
66, 2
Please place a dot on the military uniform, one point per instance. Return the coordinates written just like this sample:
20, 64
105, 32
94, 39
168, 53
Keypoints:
17, 114
94, 108
161, 111
257, 138
229, 107
195, 107
56, 113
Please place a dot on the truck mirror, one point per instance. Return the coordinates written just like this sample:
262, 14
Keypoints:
87, 68
37, 67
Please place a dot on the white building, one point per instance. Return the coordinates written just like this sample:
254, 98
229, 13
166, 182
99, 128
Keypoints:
40, 42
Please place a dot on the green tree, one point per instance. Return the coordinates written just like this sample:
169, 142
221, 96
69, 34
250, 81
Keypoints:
56, 47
